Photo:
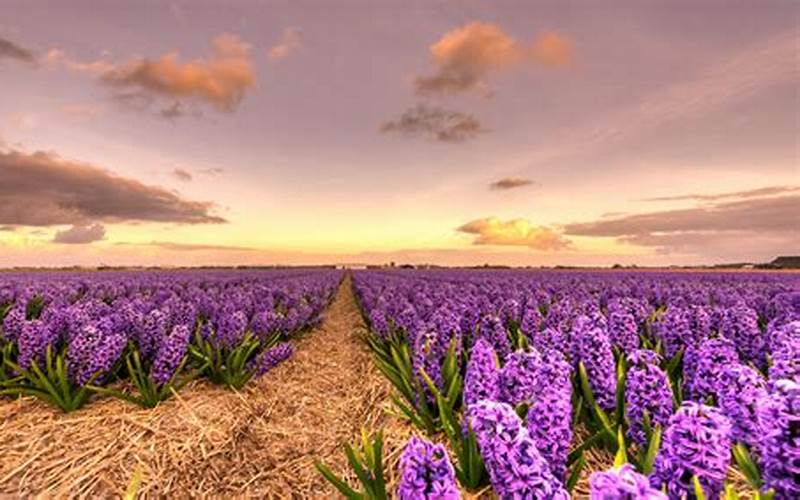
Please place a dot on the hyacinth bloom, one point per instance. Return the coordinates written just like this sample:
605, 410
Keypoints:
741, 389
34, 340
13, 323
426, 472
785, 355
647, 389
593, 347
675, 331
518, 382
697, 442
779, 446
482, 380
703, 366
549, 418
170, 354
531, 322
93, 350
272, 357
740, 324
622, 483
515, 466
491, 329
623, 331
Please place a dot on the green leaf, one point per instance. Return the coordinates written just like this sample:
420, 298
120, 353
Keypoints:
340, 485
653, 445
698, 489
131, 492
747, 465
622, 454
730, 493
575, 473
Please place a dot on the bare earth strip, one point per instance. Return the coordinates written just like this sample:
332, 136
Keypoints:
209, 440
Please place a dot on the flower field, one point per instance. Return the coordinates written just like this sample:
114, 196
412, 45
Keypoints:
654, 384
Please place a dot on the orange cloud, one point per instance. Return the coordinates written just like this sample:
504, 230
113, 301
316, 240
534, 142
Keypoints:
516, 232
465, 56
289, 43
221, 80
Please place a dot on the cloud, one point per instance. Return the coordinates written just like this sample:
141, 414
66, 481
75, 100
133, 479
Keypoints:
728, 225
465, 56
192, 247
510, 183
516, 232
289, 43
41, 189
83, 110
10, 50
435, 123
80, 234
182, 174
750, 193
221, 80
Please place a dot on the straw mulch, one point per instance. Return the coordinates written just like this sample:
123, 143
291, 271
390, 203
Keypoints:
211, 441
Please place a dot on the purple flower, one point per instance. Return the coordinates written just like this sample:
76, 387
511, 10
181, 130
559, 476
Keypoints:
482, 378
549, 418
740, 324
703, 365
13, 323
492, 330
426, 472
675, 331
35, 338
593, 347
93, 351
741, 389
779, 447
272, 357
518, 377
697, 442
531, 322
647, 389
785, 355
515, 466
623, 331
170, 354
622, 483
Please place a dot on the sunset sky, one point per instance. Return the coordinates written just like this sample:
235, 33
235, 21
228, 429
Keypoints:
454, 132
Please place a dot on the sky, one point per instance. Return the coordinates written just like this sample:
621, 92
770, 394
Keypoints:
453, 132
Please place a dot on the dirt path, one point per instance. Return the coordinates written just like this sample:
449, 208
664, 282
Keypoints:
208, 440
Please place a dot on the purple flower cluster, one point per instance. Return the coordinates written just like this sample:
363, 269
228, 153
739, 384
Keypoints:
623, 330
647, 390
740, 324
170, 354
741, 389
703, 366
779, 446
483, 375
622, 483
426, 472
549, 418
492, 330
516, 468
518, 378
272, 357
697, 442
785, 353
593, 347
674, 330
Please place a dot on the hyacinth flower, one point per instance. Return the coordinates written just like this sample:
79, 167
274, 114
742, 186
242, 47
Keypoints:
622, 483
741, 390
492, 329
593, 351
703, 366
740, 324
779, 445
482, 379
674, 331
623, 330
516, 467
549, 417
785, 354
696, 444
158, 380
366, 460
426, 472
518, 381
648, 397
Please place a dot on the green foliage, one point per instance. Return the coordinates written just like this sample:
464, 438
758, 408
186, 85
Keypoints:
148, 394
367, 464
748, 466
50, 383
231, 367
34, 307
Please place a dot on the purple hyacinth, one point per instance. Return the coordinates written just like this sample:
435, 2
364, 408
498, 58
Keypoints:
531, 322
741, 389
740, 324
230, 329
483, 373
549, 418
13, 323
623, 331
491, 329
703, 365
550, 338
93, 351
622, 483
426, 472
515, 466
697, 442
518, 381
779, 446
593, 347
785, 354
272, 357
35, 338
647, 389
171, 351
674, 331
